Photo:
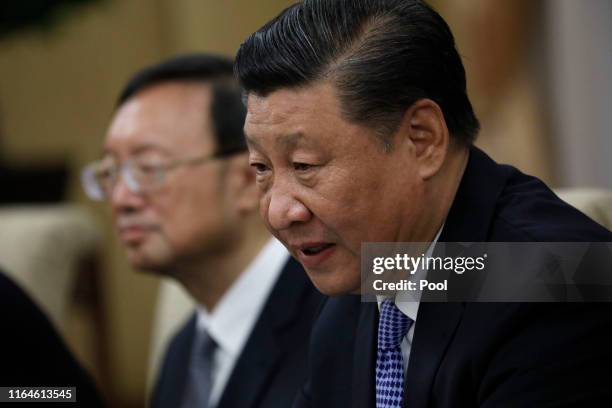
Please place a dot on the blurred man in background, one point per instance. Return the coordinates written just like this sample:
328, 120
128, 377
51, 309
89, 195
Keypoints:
176, 175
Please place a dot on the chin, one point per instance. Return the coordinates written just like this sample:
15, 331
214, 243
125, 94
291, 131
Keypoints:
145, 263
146, 267
333, 286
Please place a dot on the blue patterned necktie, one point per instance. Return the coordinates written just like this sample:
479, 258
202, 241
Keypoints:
392, 327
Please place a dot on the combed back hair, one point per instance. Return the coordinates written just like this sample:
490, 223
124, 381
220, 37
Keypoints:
381, 56
227, 110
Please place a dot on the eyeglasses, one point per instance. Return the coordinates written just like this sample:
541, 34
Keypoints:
99, 178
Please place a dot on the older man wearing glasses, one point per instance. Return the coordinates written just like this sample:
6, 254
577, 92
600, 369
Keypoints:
176, 176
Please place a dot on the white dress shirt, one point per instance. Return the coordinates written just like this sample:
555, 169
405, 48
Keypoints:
234, 317
404, 300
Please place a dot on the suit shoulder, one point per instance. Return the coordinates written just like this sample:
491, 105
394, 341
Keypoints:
293, 294
337, 316
528, 210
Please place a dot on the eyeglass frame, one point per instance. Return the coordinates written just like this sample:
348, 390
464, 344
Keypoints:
96, 191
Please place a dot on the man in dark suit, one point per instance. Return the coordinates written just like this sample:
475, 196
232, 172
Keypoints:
32, 352
360, 130
176, 176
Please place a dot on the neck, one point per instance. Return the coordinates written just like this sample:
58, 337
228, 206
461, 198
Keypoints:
440, 193
209, 278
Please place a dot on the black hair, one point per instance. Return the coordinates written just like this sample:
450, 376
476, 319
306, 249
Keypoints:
380, 55
227, 110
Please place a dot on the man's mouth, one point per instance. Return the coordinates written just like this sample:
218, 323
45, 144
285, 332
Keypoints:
311, 255
313, 250
133, 234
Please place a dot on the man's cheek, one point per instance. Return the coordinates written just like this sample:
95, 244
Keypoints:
264, 205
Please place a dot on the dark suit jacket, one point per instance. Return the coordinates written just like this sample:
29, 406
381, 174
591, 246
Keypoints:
479, 354
272, 366
32, 354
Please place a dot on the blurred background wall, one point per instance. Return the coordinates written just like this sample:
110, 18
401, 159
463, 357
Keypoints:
538, 74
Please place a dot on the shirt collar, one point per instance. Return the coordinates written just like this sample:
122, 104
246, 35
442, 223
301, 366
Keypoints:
233, 318
404, 300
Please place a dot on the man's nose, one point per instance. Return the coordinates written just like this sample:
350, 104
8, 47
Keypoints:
122, 197
284, 209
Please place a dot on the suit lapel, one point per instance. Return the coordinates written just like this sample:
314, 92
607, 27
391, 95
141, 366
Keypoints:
468, 220
364, 358
173, 375
254, 366
436, 324
264, 350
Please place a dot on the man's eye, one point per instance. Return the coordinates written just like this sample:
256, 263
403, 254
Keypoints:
150, 167
298, 166
260, 168
105, 170
106, 173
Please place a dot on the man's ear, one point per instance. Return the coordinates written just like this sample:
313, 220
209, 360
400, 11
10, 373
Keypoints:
246, 193
424, 128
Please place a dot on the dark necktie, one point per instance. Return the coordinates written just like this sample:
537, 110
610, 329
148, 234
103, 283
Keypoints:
392, 327
199, 378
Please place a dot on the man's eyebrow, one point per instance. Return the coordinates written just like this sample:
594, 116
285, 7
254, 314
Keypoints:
252, 142
291, 141
139, 149
147, 147
287, 142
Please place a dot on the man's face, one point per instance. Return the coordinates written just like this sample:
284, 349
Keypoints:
327, 185
184, 218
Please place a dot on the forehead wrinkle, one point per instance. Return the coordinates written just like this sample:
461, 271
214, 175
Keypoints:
288, 142
260, 112
286, 117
